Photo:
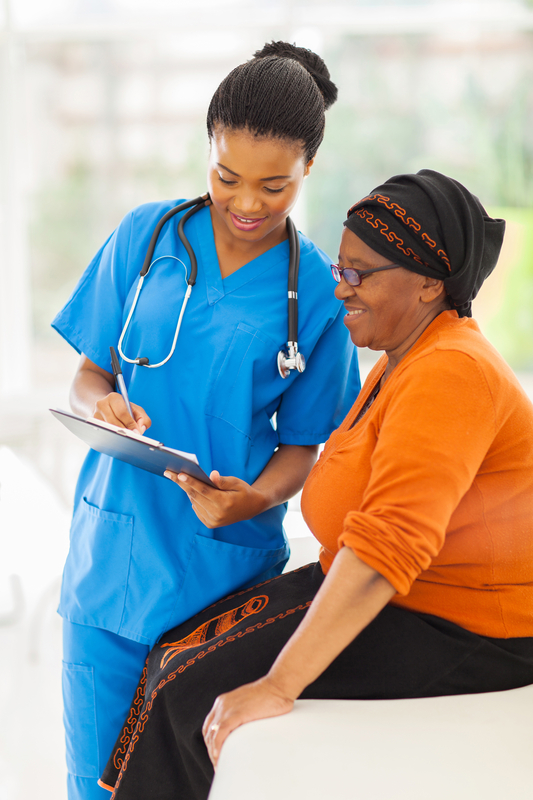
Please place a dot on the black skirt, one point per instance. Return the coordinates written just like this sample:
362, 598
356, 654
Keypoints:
160, 752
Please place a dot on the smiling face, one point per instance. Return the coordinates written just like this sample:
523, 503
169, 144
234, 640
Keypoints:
253, 183
390, 309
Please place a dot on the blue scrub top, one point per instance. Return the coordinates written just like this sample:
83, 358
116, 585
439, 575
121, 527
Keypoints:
140, 561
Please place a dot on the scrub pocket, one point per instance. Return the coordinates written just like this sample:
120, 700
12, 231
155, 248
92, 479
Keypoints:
243, 385
218, 568
80, 720
96, 573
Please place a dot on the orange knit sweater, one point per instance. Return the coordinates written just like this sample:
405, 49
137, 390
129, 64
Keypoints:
433, 487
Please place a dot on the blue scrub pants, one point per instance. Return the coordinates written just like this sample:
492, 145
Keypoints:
100, 675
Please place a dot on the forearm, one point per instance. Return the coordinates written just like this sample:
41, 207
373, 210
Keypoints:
285, 473
88, 387
350, 597
93, 394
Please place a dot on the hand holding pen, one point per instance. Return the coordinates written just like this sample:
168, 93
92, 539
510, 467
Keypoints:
121, 386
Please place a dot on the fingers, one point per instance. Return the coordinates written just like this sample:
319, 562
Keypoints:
249, 702
215, 731
230, 500
223, 483
141, 418
213, 506
172, 476
114, 410
193, 489
226, 483
209, 730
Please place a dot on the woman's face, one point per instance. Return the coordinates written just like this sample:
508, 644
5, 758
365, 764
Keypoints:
254, 184
386, 310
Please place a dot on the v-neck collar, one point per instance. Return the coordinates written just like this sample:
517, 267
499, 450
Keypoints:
218, 287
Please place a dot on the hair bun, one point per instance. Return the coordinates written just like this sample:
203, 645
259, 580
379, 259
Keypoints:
311, 61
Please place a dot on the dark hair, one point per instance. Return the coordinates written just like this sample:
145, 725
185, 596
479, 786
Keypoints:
281, 92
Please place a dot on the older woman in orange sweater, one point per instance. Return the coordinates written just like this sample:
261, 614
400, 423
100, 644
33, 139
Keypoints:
422, 501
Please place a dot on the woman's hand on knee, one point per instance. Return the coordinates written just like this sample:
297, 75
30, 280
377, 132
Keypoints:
257, 700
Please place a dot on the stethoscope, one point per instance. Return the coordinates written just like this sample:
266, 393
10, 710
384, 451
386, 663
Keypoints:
288, 357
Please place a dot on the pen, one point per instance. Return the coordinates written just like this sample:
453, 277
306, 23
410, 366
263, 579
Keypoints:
117, 372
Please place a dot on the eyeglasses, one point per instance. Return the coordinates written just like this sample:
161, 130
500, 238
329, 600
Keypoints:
354, 277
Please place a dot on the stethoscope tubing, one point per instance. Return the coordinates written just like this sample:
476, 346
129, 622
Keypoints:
193, 206
290, 357
292, 291
198, 202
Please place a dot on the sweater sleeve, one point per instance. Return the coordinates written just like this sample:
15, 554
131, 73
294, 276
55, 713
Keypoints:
433, 436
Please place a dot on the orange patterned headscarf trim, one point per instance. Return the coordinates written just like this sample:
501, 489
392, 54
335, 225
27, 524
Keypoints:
392, 236
432, 225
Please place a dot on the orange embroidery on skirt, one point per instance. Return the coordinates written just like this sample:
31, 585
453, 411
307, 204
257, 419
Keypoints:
144, 717
131, 723
214, 627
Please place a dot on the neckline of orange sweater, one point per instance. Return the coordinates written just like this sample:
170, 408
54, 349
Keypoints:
376, 373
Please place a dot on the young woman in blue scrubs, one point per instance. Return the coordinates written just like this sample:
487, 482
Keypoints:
145, 555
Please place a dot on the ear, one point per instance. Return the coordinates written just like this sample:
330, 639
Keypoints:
431, 290
308, 166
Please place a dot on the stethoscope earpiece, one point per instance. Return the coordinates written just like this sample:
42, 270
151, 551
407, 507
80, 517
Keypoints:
288, 358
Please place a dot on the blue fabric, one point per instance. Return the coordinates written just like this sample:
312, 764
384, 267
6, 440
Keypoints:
140, 561
100, 675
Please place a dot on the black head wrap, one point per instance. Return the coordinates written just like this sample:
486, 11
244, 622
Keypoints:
432, 225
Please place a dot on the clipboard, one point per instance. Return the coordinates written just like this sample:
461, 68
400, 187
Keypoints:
140, 451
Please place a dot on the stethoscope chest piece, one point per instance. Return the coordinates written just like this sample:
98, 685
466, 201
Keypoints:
289, 359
